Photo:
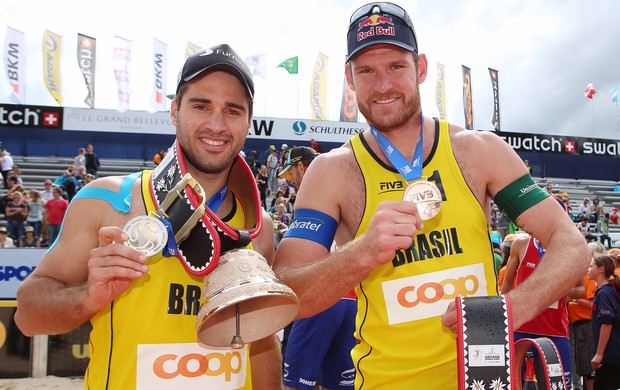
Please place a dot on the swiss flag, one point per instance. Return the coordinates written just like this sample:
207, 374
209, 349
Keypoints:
590, 91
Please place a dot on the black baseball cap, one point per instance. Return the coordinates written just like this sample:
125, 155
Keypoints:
220, 57
297, 154
376, 23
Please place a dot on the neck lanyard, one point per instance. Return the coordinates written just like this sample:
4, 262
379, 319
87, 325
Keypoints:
410, 171
217, 199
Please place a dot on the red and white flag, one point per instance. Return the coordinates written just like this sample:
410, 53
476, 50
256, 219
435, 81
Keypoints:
590, 91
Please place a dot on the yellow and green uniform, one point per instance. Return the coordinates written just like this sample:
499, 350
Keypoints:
402, 341
146, 338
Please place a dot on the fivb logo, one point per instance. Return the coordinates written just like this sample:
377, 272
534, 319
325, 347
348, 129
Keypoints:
427, 295
166, 366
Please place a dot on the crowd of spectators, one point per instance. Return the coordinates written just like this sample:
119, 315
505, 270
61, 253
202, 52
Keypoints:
33, 217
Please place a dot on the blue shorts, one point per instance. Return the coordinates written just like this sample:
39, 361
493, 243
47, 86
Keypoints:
562, 344
319, 349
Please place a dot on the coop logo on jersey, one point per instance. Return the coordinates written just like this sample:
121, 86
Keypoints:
168, 366
427, 295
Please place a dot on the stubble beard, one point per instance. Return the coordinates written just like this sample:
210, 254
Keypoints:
395, 118
206, 164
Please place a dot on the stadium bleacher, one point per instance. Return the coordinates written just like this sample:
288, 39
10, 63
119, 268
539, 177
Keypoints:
35, 169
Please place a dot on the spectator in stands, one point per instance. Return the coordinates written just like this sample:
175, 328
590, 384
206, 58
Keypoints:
594, 210
92, 161
35, 215
79, 174
6, 164
580, 330
502, 221
549, 189
272, 164
281, 228
281, 215
315, 145
29, 239
605, 323
88, 178
602, 228
80, 160
252, 159
70, 184
5, 240
584, 228
584, 208
159, 156
47, 192
16, 172
613, 253
262, 179
614, 216
55, 210
528, 166
16, 212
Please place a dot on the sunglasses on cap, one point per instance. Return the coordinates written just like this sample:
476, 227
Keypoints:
386, 8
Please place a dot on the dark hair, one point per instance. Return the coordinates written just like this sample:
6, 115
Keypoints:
609, 265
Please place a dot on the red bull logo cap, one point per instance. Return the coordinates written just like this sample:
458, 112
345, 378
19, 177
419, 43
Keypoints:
220, 57
376, 23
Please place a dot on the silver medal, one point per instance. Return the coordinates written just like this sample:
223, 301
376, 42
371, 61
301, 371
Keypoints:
426, 196
147, 235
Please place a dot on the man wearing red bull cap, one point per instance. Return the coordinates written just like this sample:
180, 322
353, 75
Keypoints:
408, 204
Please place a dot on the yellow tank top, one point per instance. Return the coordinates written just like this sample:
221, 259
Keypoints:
146, 338
402, 342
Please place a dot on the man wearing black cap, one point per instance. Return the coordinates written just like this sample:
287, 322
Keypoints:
126, 262
408, 204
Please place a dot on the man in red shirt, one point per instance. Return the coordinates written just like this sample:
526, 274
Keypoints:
54, 212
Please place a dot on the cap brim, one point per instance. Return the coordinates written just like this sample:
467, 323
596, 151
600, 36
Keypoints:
378, 42
286, 173
223, 66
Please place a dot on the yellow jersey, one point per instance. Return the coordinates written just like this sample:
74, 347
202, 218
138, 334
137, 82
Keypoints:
402, 343
146, 338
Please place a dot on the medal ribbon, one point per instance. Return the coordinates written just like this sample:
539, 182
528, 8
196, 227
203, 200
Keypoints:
410, 171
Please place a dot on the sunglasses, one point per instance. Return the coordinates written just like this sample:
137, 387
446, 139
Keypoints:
385, 8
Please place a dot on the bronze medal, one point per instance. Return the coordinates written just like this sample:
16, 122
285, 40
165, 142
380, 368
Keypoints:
147, 235
426, 196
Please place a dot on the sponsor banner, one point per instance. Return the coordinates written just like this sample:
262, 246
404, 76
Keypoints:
15, 265
543, 143
12, 116
15, 64
190, 49
468, 110
87, 61
112, 121
122, 60
52, 51
84, 119
318, 88
440, 90
494, 74
160, 68
348, 107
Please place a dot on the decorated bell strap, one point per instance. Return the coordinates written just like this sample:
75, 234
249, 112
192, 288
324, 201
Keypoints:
548, 364
200, 235
484, 342
487, 356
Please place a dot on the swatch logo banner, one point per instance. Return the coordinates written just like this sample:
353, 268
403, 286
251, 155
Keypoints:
543, 143
87, 61
30, 116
